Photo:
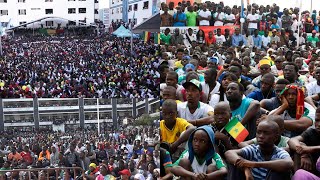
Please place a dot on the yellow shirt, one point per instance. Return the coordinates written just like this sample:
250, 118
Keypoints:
178, 64
170, 136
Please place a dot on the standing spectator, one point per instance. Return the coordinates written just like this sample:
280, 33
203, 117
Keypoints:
229, 18
219, 17
189, 37
204, 16
166, 18
179, 18
176, 38
191, 17
313, 39
253, 20
220, 39
165, 37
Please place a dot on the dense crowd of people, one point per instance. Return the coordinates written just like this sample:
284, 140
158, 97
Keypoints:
131, 153
235, 110
78, 66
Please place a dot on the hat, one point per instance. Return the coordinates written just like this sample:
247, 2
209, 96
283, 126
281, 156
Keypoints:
213, 59
187, 57
190, 66
125, 172
93, 165
193, 82
314, 31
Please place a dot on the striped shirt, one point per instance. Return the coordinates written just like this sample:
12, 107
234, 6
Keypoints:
253, 153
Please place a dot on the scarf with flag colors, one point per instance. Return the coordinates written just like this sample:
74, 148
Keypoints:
236, 130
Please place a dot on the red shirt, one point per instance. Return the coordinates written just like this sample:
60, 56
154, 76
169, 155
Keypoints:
210, 41
27, 157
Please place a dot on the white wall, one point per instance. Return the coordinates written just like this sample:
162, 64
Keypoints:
60, 9
141, 14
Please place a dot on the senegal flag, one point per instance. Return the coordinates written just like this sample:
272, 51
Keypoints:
146, 36
236, 130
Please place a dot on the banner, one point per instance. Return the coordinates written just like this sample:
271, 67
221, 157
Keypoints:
206, 29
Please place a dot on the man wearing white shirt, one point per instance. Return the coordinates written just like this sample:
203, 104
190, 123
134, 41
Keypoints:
220, 39
253, 20
265, 39
194, 111
219, 17
229, 18
314, 87
210, 86
204, 16
189, 37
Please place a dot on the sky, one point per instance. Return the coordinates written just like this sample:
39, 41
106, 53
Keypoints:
103, 4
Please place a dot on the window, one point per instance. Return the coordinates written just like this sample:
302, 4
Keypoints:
48, 1
22, 12
21, 1
71, 0
118, 10
49, 11
3, 1
96, 1
130, 8
3, 12
49, 23
146, 5
82, 10
112, 1
35, 9
72, 23
71, 10
135, 7
96, 11
82, 0
23, 22
121, 10
112, 11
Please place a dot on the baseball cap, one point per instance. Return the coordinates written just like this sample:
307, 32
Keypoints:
190, 66
125, 172
213, 59
93, 165
187, 58
193, 82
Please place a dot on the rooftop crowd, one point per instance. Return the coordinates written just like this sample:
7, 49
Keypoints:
240, 106
131, 153
67, 66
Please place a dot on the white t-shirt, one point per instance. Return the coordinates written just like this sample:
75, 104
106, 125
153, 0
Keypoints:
253, 18
220, 39
193, 37
201, 112
204, 14
206, 88
265, 40
215, 98
220, 17
230, 17
313, 88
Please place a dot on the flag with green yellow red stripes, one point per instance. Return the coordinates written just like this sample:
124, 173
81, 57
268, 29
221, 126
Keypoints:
236, 130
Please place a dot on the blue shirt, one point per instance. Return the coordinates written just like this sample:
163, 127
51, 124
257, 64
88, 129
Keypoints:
257, 41
181, 17
237, 38
253, 153
257, 95
242, 109
275, 26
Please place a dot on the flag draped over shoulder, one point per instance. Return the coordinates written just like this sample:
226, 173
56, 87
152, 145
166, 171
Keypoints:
236, 130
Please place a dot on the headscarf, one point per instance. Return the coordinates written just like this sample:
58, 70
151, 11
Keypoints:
300, 98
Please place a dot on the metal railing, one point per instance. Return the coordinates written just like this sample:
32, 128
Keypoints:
56, 169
